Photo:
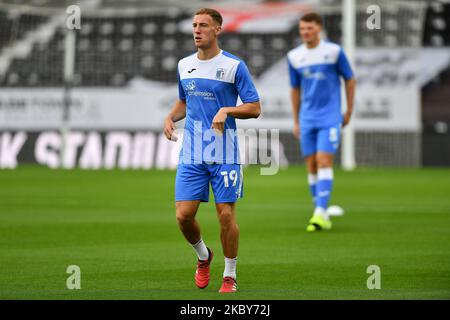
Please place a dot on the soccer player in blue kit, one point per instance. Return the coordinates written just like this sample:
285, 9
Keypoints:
315, 69
210, 82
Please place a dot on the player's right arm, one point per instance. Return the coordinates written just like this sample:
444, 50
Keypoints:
177, 113
295, 81
295, 101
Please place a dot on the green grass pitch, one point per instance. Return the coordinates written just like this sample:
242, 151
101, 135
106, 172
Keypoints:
119, 227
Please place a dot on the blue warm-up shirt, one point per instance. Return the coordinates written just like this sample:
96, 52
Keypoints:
317, 72
207, 86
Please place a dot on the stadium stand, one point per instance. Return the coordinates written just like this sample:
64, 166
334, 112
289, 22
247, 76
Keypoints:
148, 46
436, 93
112, 50
14, 25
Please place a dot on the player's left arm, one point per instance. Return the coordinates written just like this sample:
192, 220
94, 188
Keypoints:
250, 108
350, 86
345, 70
243, 111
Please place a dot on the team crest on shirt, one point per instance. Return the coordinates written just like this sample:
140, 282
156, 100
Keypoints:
220, 73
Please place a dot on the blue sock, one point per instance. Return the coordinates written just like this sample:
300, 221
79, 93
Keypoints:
312, 182
324, 187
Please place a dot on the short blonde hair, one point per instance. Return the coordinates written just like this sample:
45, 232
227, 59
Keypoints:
214, 14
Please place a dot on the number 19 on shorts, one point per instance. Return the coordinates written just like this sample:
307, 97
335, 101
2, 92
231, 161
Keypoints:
229, 177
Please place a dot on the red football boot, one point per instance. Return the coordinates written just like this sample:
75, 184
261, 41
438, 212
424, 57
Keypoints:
228, 285
202, 272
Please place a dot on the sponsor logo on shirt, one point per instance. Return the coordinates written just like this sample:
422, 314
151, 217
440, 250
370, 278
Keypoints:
313, 75
191, 87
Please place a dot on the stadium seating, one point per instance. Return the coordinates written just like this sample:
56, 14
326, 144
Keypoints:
13, 26
110, 51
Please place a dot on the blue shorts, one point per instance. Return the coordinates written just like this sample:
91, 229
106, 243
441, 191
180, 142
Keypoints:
313, 140
192, 182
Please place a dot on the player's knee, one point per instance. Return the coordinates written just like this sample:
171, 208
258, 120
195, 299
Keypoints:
226, 218
311, 163
312, 167
184, 217
324, 161
325, 164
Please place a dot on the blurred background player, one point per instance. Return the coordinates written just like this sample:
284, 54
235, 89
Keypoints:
209, 84
315, 68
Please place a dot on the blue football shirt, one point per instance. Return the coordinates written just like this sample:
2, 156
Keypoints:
317, 72
207, 86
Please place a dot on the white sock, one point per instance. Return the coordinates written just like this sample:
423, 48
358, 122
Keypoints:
201, 250
319, 211
312, 178
312, 182
230, 268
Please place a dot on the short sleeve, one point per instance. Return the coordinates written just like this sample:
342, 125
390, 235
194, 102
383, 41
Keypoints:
181, 93
294, 76
244, 84
343, 66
